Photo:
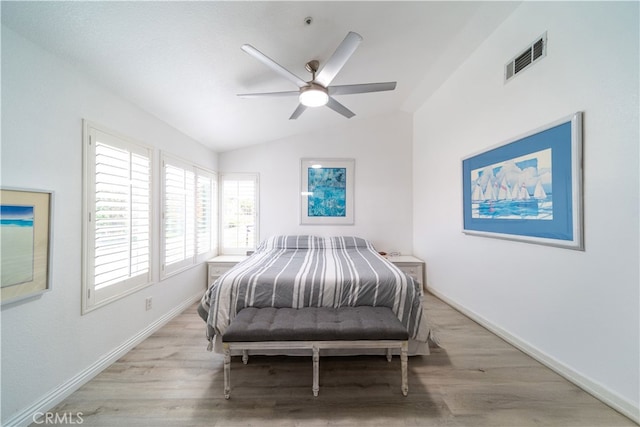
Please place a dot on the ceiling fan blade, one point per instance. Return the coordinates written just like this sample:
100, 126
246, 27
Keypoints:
269, 94
273, 65
297, 112
340, 57
361, 88
339, 108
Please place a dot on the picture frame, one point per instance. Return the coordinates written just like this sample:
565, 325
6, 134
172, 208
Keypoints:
25, 233
327, 191
529, 188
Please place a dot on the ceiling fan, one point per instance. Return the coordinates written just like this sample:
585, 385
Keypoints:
317, 92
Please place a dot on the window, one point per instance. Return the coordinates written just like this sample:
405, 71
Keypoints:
239, 213
189, 220
117, 216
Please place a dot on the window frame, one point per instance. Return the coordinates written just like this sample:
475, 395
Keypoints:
224, 250
197, 257
93, 298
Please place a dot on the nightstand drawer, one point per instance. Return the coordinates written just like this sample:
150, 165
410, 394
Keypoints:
217, 270
411, 265
219, 265
413, 271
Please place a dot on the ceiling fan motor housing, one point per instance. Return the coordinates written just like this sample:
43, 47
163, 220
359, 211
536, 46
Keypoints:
313, 95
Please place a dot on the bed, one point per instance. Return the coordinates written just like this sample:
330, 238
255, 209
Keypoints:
297, 271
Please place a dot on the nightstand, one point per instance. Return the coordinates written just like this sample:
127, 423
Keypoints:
411, 265
219, 265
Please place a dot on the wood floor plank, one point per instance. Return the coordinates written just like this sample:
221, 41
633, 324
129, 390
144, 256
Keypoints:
473, 379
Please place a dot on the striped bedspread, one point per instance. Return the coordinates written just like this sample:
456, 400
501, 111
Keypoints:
309, 271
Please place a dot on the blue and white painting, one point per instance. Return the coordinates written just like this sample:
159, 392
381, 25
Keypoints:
17, 236
528, 188
519, 188
328, 192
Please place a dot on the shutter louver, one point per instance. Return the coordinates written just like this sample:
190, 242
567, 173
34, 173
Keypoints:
122, 202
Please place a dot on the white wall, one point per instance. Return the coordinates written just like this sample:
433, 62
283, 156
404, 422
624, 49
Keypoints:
46, 344
381, 148
577, 311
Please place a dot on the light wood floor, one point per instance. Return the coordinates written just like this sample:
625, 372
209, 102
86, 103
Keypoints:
474, 379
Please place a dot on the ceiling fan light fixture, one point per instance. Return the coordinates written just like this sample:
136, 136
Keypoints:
315, 92
314, 96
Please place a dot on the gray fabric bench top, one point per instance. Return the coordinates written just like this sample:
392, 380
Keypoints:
315, 324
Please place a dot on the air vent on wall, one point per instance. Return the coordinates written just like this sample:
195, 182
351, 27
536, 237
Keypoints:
536, 51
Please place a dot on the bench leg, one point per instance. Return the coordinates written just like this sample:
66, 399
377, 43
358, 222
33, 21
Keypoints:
316, 369
227, 371
245, 356
389, 355
403, 364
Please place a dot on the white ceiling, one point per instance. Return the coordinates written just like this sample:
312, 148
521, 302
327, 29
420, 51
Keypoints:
181, 61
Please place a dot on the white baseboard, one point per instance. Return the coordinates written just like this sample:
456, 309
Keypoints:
57, 395
600, 392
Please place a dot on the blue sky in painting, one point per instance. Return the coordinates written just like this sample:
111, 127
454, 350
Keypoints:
16, 215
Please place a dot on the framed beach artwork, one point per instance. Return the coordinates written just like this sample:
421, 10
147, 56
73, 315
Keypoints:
327, 191
528, 188
25, 232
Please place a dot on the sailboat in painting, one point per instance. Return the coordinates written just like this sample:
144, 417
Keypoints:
477, 195
538, 192
523, 194
504, 193
519, 188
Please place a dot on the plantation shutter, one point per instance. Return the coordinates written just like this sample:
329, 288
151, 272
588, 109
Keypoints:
179, 224
239, 211
206, 218
118, 226
122, 215
188, 215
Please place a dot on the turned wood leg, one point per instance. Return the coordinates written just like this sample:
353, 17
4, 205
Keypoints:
389, 355
245, 356
227, 371
403, 364
316, 369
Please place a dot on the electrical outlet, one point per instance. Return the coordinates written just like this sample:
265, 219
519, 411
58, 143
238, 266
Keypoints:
148, 303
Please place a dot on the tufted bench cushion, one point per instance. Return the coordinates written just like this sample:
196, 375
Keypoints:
315, 324
314, 328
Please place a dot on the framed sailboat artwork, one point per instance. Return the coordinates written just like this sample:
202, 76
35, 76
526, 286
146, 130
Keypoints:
528, 188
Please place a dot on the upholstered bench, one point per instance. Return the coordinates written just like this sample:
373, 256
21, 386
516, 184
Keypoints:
314, 328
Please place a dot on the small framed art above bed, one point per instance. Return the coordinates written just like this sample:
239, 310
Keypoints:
309, 271
327, 191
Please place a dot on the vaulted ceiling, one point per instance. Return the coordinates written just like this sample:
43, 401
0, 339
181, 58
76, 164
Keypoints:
182, 62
